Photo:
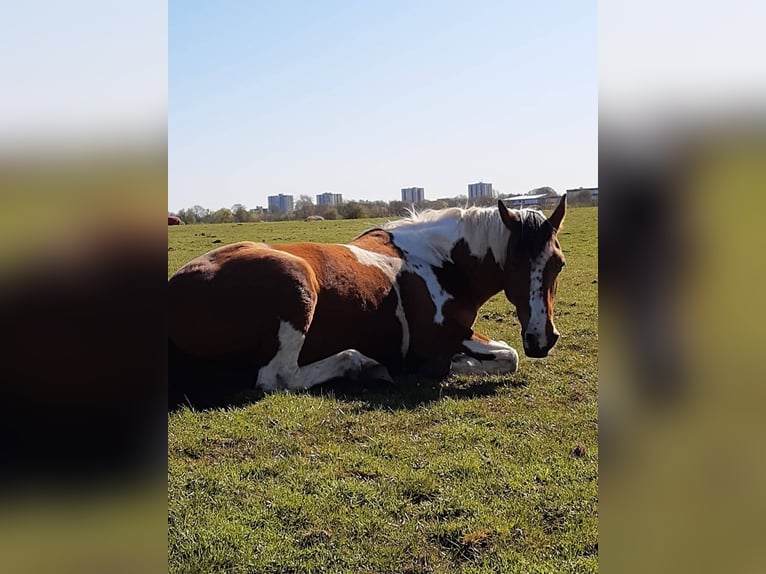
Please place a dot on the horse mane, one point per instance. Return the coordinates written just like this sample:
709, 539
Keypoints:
430, 235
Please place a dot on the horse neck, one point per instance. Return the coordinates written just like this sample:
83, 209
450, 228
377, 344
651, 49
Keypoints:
432, 236
477, 278
466, 248
471, 280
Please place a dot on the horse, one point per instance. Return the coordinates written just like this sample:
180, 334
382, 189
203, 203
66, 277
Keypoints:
174, 220
399, 298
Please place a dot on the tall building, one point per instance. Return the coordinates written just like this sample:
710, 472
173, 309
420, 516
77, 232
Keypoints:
329, 198
280, 203
413, 195
480, 189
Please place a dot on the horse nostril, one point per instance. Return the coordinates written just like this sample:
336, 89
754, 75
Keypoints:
530, 340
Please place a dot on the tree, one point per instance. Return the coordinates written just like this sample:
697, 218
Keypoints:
187, 216
202, 214
376, 208
352, 210
240, 212
255, 215
484, 201
437, 204
223, 215
330, 213
304, 207
397, 208
459, 201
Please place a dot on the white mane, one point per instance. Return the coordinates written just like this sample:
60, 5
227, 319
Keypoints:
431, 234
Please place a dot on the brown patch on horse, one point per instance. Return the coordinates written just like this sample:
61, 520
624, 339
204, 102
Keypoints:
431, 345
550, 281
377, 241
351, 294
470, 280
221, 306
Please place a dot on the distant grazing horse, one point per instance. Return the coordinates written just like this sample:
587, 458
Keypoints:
173, 220
399, 298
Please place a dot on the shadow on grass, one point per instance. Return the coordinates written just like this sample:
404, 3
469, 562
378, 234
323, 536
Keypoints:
203, 385
408, 392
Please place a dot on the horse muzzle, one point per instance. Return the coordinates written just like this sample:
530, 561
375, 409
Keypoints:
532, 347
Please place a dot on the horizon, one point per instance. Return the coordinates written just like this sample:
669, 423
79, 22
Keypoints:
365, 100
498, 195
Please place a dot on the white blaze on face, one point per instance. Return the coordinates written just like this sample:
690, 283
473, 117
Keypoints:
538, 318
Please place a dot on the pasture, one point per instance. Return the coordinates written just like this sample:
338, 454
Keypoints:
473, 474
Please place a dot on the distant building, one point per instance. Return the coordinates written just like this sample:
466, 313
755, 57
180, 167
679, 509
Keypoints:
521, 201
280, 203
413, 195
329, 198
481, 189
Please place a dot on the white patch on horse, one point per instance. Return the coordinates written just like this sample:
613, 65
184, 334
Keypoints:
391, 266
431, 235
538, 318
387, 264
403, 320
283, 371
504, 359
284, 366
486, 348
438, 295
428, 238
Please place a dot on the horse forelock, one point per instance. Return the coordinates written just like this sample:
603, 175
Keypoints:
536, 232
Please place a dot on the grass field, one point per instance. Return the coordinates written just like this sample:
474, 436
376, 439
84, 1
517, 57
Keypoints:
492, 474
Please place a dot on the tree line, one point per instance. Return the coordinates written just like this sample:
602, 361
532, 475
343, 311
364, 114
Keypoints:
304, 207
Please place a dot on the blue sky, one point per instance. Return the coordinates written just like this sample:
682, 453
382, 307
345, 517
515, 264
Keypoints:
364, 98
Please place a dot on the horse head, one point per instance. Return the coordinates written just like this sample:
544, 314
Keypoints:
533, 262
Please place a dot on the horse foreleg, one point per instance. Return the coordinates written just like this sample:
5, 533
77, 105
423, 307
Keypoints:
346, 364
283, 372
484, 356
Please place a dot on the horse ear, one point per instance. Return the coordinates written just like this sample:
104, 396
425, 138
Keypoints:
510, 218
557, 217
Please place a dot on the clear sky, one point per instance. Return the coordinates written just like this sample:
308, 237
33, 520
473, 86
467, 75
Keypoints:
366, 97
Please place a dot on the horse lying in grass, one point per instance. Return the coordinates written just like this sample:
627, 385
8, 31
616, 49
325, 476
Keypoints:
399, 298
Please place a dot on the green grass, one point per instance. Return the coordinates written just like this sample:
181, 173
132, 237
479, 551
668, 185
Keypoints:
470, 475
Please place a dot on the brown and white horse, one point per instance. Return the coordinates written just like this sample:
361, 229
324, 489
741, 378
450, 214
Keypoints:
403, 297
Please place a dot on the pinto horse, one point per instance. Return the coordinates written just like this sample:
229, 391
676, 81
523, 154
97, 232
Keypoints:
399, 298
